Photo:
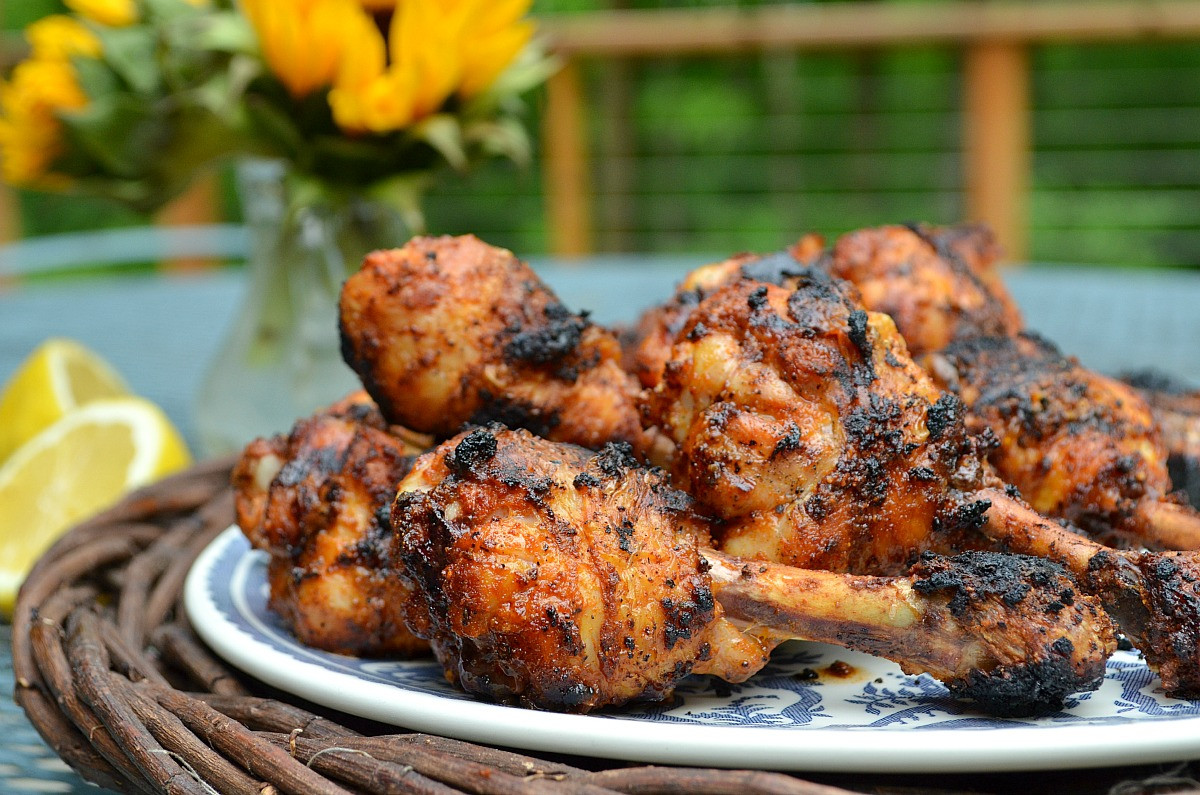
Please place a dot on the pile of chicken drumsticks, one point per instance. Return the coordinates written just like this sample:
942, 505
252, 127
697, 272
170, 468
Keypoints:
855, 444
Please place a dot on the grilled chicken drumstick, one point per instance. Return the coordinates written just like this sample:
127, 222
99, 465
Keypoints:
937, 286
1176, 409
801, 422
571, 580
318, 500
1153, 596
449, 330
936, 283
1077, 444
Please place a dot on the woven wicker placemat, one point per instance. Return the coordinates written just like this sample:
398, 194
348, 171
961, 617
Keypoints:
115, 681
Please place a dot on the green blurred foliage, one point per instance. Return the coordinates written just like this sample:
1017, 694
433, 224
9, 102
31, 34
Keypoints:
715, 155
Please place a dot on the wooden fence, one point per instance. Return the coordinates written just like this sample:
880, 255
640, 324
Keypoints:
996, 39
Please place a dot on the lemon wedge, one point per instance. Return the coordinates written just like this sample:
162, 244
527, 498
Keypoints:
77, 466
57, 377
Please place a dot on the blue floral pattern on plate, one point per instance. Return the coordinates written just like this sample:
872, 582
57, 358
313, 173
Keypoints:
800, 689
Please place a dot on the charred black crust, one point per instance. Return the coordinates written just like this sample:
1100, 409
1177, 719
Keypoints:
476, 448
791, 441
943, 414
515, 414
572, 642
858, 332
922, 474
757, 300
625, 536
964, 517
1171, 635
774, 269
615, 459
685, 616
586, 480
975, 576
548, 343
1027, 689
568, 693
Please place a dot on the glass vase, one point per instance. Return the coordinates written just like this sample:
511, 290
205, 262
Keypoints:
281, 359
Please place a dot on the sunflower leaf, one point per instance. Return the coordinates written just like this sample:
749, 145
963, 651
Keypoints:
131, 53
444, 133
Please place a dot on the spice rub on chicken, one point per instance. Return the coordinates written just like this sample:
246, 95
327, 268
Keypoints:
936, 283
1075, 443
318, 501
449, 330
801, 422
880, 468
571, 580
558, 577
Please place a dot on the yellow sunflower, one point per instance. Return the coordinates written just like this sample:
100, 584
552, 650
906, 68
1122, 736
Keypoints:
113, 13
433, 49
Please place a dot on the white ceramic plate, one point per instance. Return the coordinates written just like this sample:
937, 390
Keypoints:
783, 718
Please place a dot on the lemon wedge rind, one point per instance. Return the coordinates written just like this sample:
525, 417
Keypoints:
78, 466
57, 377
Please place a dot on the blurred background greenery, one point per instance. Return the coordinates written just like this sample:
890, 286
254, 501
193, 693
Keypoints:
719, 154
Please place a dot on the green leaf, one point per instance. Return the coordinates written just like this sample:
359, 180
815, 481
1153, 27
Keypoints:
224, 32
444, 133
405, 192
271, 124
167, 10
532, 67
131, 53
503, 137
121, 132
96, 78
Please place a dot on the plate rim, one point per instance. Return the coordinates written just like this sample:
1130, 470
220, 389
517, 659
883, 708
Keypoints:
817, 749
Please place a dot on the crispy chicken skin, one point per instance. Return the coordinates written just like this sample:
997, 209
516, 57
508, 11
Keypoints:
449, 330
880, 467
1077, 444
560, 578
1176, 409
1095, 457
648, 347
317, 501
935, 283
572, 580
801, 422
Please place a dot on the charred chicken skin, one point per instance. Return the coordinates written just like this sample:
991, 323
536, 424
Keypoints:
938, 287
935, 283
1077, 444
317, 501
802, 423
567, 579
648, 345
448, 331
1176, 409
